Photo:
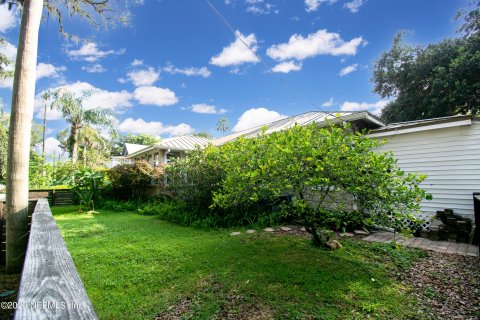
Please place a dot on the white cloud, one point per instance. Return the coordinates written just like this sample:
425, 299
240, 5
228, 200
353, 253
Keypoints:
8, 18
321, 42
354, 6
348, 69
206, 108
99, 98
52, 147
329, 103
155, 128
6, 83
91, 53
260, 7
287, 66
375, 108
191, 71
237, 53
136, 63
144, 77
151, 95
255, 117
46, 70
96, 68
313, 5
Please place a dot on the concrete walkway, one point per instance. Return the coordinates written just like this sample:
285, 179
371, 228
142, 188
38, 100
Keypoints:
426, 244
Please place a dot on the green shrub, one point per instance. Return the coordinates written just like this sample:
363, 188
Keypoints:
342, 220
194, 179
329, 160
121, 206
130, 180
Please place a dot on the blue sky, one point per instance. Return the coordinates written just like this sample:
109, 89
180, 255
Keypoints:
178, 69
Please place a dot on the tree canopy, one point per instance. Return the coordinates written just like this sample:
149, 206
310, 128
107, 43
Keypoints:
4, 63
436, 80
79, 117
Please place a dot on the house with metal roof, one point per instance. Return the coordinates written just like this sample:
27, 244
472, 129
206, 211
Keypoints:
168, 149
359, 119
447, 150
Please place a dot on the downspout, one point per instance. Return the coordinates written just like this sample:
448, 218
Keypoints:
165, 161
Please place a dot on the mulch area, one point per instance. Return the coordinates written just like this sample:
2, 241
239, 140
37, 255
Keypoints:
447, 284
8, 282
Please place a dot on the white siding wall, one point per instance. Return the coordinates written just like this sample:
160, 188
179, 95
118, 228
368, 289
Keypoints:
451, 159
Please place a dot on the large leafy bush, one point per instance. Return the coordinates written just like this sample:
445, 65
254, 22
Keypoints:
129, 180
328, 177
320, 162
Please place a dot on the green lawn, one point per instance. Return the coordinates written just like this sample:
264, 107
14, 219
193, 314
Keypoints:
139, 267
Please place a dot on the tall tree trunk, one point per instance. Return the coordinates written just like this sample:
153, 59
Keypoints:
19, 136
74, 143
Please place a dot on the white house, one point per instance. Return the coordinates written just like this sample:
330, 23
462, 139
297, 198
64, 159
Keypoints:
447, 150
167, 149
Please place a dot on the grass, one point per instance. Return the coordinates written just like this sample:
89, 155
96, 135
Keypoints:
139, 267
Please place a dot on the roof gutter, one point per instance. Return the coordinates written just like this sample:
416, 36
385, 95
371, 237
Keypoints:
440, 123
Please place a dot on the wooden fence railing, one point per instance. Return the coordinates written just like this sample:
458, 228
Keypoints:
59, 197
50, 286
3, 227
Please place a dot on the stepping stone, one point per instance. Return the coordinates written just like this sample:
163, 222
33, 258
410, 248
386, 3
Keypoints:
362, 232
286, 229
250, 231
346, 234
235, 234
269, 230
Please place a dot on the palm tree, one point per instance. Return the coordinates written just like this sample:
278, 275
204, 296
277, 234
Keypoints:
23, 95
223, 125
77, 116
94, 145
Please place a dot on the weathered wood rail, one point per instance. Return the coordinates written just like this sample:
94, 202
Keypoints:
50, 286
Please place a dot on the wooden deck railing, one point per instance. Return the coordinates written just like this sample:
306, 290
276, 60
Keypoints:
50, 286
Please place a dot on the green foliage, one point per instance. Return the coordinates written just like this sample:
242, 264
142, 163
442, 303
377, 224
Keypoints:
64, 172
432, 81
5, 62
203, 135
40, 171
344, 220
315, 165
84, 122
86, 185
143, 139
132, 179
195, 178
121, 206
223, 125
302, 171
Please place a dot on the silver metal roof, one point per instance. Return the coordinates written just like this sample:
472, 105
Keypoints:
422, 122
370, 121
130, 148
188, 142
